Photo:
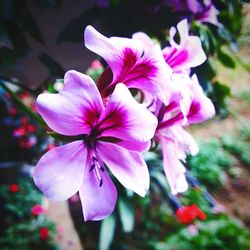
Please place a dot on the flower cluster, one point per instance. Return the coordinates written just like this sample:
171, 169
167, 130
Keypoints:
24, 134
22, 129
109, 128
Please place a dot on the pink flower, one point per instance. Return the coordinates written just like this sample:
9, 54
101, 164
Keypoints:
38, 210
192, 106
185, 55
96, 65
130, 62
114, 133
176, 143
60, 231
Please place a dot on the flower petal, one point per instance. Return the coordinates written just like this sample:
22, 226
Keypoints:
75, 108
111, 49
174, 170
59, 173
135, 146
202, 107
128, 167
98, 202
126, 119
189, 53
208, 14
183, 141
148, 43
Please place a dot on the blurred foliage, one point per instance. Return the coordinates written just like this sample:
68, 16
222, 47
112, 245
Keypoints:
16, 207
218, 157
245, 95
239, 146
22, 138
210, 163
218, 93
19, 228
219, 233
15, 20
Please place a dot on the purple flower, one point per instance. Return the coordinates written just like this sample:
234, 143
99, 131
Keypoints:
204, 12
185, 55
114, 133
131, 62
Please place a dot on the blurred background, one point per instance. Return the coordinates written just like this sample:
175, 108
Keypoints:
39, 41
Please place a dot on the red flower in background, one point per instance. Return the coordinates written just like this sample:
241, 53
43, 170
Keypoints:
44, 233
13, 111
13, 188
187, 214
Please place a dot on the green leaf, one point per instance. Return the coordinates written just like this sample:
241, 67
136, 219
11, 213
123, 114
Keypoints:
55, 69
72, 32
126, 213
160, 178
65, 138
226, 59
30, 25
225, 34
218, 94
107, 232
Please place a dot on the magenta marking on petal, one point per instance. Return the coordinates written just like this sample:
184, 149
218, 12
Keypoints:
104, 82
132, 69
168, 56
91, 115
115, 118
171, 107
178, 58
194, 109
129, 59
170, 122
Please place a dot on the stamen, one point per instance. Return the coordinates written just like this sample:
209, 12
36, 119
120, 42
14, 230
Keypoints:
96, 166
92, 167
101, 182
